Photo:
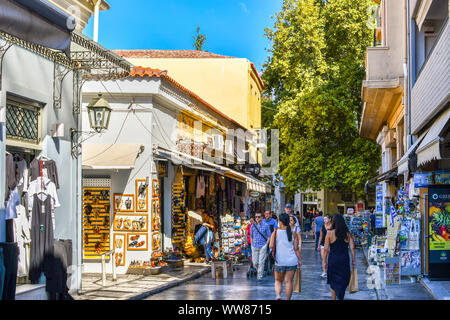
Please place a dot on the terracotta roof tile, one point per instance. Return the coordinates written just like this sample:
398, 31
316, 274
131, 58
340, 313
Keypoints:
168, 54
186, 54
149, 72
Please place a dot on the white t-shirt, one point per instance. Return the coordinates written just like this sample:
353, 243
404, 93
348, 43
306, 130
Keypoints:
50, 190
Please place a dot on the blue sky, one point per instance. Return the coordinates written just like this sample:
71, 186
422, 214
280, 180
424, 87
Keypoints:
233, 27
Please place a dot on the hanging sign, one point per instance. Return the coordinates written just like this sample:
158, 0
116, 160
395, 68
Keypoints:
442, 177
254, 194
423, 180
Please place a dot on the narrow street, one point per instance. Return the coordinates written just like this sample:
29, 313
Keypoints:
240, 288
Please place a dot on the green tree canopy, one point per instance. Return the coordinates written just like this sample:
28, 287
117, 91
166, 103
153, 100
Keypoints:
315, 73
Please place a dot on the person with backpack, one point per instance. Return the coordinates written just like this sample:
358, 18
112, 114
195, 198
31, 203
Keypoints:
259, 237
285, 245
204, 236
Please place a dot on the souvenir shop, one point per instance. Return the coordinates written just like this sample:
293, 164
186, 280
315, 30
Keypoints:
204, 191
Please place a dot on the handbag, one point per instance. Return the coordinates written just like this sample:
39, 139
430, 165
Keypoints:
353, 284
298, 281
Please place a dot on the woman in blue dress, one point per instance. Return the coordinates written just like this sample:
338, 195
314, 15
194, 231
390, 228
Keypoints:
336, 260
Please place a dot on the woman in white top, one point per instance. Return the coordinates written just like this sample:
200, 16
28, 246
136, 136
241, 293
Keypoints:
285, 243
295, 228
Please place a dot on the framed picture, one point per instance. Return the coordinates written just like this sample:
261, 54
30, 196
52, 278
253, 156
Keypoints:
141, 195
119, 248
123, 202
156, 218
156, 241
130, 222
155, 188
137, 241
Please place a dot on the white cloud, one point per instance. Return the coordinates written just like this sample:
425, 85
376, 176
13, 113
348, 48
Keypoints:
243, 6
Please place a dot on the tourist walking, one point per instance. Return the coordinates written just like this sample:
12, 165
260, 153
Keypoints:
295, 228
249, 240
209, 236
287, 256
318, 223
337, 261
307, 219
259, 237
323, 233
270, 221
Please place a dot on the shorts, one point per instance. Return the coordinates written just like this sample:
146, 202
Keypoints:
321, 247
285, 268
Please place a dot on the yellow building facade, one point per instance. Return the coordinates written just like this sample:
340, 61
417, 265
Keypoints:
233, 85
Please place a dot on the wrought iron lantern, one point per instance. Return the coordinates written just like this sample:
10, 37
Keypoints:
99, 113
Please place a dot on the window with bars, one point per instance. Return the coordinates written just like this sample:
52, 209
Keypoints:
22, 121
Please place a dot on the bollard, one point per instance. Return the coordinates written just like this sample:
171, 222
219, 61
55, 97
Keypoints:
103, 271
114, 267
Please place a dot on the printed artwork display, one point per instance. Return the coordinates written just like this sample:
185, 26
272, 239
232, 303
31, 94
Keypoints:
96, 222
156, 241
410, 262
156, 218
141, 195
137, 241
155, 188
119, 248
123, 202
131, 222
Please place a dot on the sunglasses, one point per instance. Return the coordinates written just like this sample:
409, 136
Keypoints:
258, 217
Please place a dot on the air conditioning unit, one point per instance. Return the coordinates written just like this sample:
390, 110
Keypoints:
390, 139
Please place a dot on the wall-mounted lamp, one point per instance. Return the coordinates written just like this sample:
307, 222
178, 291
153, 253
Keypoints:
99, 113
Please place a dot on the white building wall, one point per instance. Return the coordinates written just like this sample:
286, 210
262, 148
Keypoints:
431, 91
30, 76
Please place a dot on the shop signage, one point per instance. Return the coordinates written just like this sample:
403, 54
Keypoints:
379, 207
254, 194
423, 180
439, 226
442, 177
360, 206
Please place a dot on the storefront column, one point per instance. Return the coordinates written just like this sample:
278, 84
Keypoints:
167, 232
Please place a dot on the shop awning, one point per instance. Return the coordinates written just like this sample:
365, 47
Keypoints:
194, 162
384, 176
106, 156
403, 162
430, 148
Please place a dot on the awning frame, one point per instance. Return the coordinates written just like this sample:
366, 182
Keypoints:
252, 183
429, 148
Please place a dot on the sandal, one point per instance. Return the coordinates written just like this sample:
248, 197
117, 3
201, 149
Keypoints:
134, 237
140, 244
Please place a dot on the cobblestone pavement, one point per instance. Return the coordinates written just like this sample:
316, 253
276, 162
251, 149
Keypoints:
240, 288
134, 286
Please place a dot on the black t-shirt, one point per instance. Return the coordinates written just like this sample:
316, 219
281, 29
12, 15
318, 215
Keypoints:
324, 234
